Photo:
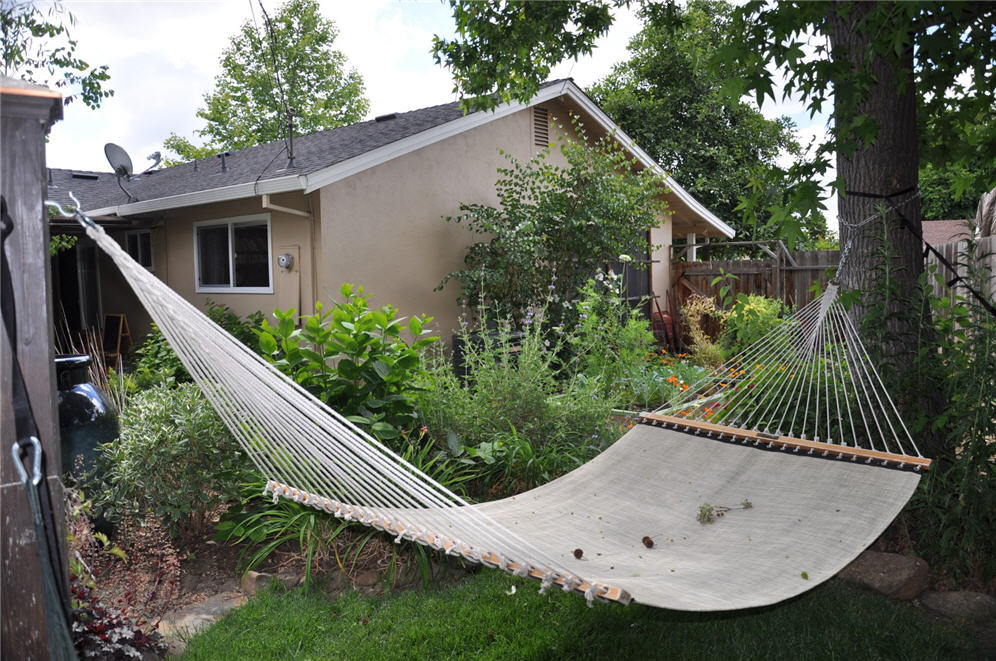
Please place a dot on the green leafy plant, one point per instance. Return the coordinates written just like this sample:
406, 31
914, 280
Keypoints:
512, 417
611, 337
749, 319
175, 460
158, 363
354, 358
725, 280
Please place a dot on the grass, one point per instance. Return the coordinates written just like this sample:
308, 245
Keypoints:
478, 619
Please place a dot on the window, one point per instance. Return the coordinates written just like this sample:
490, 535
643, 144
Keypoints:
233, 255
139, 246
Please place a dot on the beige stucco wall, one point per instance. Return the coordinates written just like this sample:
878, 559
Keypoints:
383, 228
288, 234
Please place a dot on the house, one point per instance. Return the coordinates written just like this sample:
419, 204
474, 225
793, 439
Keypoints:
362, 203
937, 232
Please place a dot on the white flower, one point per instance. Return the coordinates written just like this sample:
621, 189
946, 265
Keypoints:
625, 258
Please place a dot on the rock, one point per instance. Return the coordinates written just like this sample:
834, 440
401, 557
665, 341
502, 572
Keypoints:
254, 581
176, 626
894, 575
366, 579
288, 579
962, 606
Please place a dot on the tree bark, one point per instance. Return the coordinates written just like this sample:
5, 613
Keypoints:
884, 258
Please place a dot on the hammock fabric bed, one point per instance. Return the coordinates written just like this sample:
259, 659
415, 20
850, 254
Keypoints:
794, 443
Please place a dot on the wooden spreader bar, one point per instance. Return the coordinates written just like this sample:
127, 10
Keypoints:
602, 591
825, 449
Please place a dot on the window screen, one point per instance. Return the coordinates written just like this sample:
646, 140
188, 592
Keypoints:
213, 254
251, 257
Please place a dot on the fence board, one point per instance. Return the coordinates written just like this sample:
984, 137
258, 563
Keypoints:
775, 278
956, 253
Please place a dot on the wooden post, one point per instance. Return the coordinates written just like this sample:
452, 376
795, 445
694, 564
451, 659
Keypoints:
26, 113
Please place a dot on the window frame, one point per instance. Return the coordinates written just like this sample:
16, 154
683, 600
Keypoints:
231, 223
138, 233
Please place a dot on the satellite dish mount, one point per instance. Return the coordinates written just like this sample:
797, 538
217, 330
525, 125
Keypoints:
121, 164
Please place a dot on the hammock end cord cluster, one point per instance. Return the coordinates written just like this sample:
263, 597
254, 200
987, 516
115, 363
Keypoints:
625, 526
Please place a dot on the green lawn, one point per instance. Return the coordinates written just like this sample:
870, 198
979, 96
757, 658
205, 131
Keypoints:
478, 619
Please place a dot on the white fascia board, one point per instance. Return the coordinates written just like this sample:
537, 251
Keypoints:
589, 106
224, 194
388, 152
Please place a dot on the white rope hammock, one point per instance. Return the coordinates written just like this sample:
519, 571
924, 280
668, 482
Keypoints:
649, 484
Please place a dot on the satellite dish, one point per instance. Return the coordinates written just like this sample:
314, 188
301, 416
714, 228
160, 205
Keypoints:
121, 163
119, 160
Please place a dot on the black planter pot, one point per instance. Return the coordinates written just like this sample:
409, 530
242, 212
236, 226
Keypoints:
86, 416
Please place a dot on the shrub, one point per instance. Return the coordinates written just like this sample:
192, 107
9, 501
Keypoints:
696, 313
175, 459
750, 318
511, 417
158, 363
610, 339
353, 358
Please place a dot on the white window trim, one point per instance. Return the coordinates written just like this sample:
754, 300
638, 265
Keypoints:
231, 223
152, 253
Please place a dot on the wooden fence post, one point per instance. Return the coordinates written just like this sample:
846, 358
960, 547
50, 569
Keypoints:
26, 113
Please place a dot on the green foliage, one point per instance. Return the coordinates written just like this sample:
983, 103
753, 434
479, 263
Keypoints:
668, 97
941, 197
38, 48
504, 43
267, 526
954, 511
752, 317
610, 338
700, 316
947, 395
555, 227
248, 108
61, 242
511, 417
158, 363
353, 358
175, 460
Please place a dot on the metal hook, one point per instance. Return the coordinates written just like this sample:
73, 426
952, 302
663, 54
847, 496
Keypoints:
75, 211
36, 476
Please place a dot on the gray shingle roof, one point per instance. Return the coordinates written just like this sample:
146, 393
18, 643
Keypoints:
312, 153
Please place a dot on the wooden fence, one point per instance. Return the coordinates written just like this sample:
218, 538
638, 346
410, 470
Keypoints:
785, 275
956, 254
788, 276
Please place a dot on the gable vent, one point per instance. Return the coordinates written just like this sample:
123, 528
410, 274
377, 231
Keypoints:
541, 127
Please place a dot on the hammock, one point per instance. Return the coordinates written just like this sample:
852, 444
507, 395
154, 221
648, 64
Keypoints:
793, 444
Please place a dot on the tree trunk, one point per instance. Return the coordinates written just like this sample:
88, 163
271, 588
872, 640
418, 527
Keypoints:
884, 258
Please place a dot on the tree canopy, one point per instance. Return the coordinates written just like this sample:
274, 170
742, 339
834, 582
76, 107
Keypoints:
284, 64
669, 97
38, 47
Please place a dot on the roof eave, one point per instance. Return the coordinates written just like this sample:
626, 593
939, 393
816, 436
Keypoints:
211, 195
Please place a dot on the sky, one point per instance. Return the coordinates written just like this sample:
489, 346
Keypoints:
163, 56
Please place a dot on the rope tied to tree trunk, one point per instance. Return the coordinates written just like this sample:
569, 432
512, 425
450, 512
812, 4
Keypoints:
927, 248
